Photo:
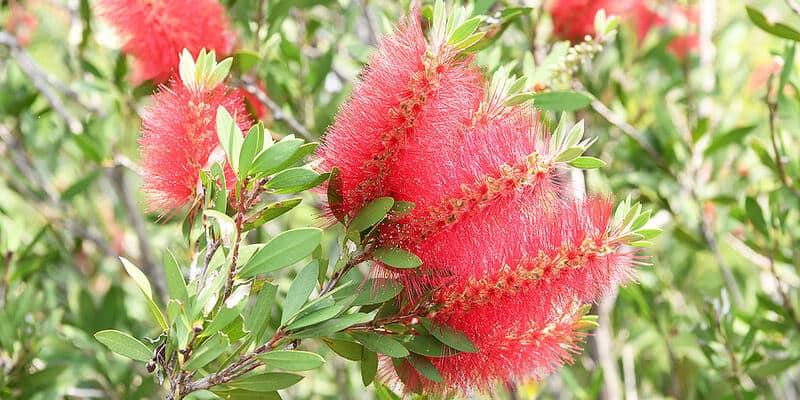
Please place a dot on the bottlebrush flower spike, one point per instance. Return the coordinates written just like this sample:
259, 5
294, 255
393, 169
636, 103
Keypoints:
155, 32
179, 130
407, 81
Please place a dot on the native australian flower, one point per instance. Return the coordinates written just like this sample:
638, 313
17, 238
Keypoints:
155, 32
179, 136
510, 258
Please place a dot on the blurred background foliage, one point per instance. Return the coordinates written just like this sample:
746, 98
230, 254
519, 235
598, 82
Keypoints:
708, 141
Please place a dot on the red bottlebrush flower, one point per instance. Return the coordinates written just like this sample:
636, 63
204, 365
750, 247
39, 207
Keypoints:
155, 32
21, 23
678, 18
508, 257
401, 85
179, 137
573, 20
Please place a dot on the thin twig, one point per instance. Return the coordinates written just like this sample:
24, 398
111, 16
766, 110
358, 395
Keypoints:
794, 6
278, 114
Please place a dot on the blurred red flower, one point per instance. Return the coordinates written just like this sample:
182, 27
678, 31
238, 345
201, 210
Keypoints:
155, 32
179, 138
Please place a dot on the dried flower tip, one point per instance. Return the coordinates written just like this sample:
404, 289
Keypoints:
205, 73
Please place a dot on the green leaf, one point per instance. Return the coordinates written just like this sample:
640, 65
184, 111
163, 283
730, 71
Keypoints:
252, 145
80, 185
241, 394
755, 215
585, 162
719, 142
144, 286
176, 285
225, 316
371, 214
302, 286
293, 360
256, 320
276, 157
230, 136
425, 367
208, 352
349, 350
561, 101
330, 327
427, 346
377, 291
778, 29
266, 382
271, 211
124, 345
464, 30
315, 317
381, 344
295, 180
397, 258
449, 336
369, 366
245, 60
283, 250
570, 154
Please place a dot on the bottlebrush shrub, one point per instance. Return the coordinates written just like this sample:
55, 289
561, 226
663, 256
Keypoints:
478, 264
179, 130
493, 247
155, 32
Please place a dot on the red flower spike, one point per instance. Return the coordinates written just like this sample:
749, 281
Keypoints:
178, 139
402, 86
155, 31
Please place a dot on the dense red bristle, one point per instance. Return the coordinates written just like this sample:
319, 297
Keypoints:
401, 86
507, 252
155, 32
178, 137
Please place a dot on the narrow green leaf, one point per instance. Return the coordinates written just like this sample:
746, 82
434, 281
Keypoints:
464, 30
427, 346
230, 136
256, 320
775, 28
302, 286
124, 345
586, 162
755, 215
266, 382
208, 352
381, 344
561, 101
425, 367
348, 350
224, 317
252, 145
397, 258
369, 366
276, 157
315, 317
144, 286
330, 327
271, 211
371, 214
283, 250
295, 180
449, 336
377, 291
293, 360
176, 285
